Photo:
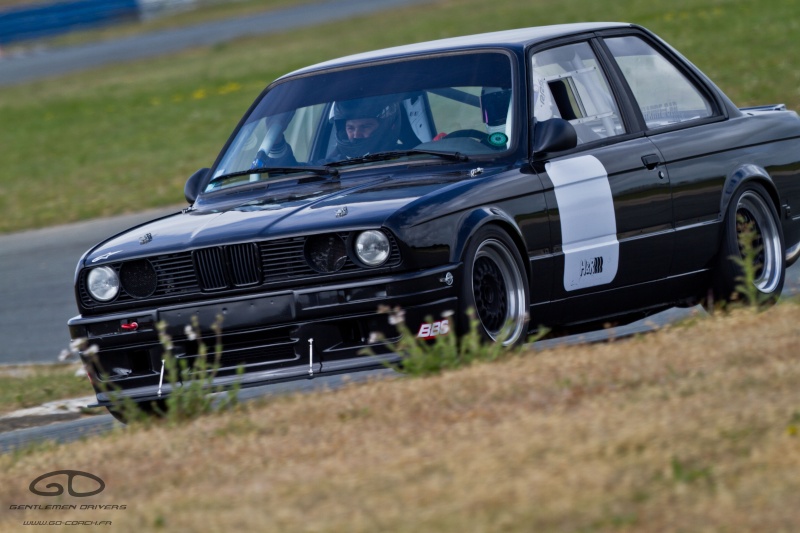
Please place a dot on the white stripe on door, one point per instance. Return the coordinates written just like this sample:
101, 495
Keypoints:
588, 222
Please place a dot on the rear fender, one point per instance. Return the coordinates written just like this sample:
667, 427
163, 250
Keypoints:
743, 174
749, 172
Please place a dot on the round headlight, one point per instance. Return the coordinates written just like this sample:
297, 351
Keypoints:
373, 248
103, 284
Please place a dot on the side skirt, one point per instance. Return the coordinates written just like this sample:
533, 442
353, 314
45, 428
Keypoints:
622, 305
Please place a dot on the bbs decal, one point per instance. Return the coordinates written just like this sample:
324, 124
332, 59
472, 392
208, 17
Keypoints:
434, 329
588, 223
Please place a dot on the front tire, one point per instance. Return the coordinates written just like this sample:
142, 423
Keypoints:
751, 205
496, 287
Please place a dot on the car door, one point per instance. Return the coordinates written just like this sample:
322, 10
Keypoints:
683, 119
609, 199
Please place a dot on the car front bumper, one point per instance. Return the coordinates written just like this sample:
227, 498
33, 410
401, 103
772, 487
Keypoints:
266, 337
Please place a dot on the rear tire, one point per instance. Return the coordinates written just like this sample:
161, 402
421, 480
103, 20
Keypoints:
496, 287
751, 204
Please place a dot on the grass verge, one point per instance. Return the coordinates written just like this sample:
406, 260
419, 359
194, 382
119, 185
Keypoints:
693, 428
24, 386
125, 138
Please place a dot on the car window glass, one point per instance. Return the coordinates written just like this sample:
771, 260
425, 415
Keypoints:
452, 103
664, 94
300, 131
450, 114
569, 84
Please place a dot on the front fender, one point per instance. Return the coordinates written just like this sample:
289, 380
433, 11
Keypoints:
478, 218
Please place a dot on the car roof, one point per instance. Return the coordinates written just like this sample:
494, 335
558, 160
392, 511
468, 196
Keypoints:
517, 38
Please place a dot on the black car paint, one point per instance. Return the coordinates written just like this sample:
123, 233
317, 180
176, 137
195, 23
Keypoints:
670, 191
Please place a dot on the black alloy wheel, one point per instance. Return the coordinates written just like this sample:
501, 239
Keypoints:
496, 287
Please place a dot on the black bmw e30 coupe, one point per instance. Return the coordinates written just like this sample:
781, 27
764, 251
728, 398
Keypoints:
563, 175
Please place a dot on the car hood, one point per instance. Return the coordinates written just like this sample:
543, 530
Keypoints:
286, 211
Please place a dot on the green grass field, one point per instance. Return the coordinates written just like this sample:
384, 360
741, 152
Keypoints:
125, 138
23, 386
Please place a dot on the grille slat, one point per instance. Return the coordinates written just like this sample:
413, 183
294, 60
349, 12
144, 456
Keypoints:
284, 260
245, 267
211, 269
176, 274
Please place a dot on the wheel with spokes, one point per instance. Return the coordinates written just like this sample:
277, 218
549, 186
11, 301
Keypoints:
496, 287
752, 214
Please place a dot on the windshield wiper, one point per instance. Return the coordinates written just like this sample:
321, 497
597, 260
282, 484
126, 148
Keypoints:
322, 171
394, 154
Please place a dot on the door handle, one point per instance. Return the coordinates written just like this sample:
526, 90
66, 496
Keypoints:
651, 161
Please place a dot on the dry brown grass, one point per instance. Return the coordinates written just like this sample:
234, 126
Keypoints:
694, 428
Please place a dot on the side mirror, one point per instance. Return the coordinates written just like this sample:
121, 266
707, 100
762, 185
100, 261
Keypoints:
195, 184
553, 135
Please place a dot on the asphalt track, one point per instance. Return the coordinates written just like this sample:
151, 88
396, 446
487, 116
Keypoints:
36, 289
55, 62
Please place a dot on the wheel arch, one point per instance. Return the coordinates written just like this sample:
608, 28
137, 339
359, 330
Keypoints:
482, 217
748, 173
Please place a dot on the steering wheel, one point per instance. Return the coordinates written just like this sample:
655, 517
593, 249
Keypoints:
474, 134
480, 136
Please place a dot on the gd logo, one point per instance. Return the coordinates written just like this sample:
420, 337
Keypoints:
59, 489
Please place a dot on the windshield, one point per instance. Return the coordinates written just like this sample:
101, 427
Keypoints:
449, 107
